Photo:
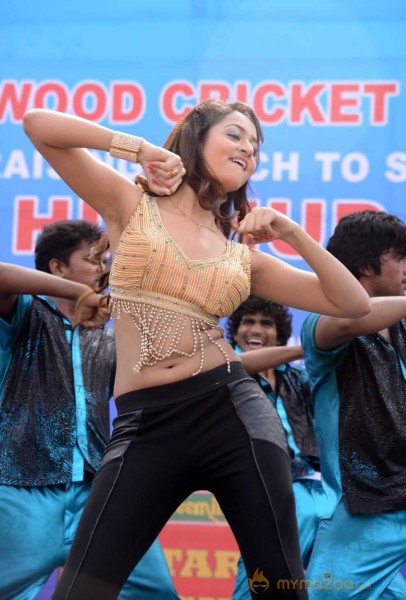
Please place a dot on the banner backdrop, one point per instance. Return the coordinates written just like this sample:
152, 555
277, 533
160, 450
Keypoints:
326, 78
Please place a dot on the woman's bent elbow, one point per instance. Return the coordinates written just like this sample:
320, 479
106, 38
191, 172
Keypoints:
362, 308
29, 120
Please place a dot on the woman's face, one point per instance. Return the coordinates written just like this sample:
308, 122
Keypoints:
230, 151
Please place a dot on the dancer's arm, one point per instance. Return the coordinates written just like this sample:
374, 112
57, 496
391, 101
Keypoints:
63, 141
15, 280
385, 311
330, 290
262, 359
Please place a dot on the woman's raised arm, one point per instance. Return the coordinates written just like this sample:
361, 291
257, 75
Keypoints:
64, 140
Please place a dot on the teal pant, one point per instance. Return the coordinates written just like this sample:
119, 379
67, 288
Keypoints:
37, 525
358, 557
312, 505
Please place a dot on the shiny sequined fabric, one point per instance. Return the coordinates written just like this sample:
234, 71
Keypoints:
372, 438
38, 412
166, 292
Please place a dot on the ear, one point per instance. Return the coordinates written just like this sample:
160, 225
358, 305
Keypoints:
367, 271
57, 267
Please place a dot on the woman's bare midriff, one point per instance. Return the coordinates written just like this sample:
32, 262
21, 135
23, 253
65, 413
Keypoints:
168, 370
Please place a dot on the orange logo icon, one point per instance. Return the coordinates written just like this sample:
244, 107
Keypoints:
259, 583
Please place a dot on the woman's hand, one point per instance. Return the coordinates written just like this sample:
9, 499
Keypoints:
163, 170
264, 224
91, 310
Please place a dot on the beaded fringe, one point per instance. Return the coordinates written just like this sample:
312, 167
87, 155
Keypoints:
161, 330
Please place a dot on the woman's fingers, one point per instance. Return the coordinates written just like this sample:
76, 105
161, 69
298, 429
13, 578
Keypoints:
257, 222
256, 227
164, 178
162, 170
166, 171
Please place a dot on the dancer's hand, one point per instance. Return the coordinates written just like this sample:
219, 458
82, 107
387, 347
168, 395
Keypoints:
91, 310
264, 224
163, 170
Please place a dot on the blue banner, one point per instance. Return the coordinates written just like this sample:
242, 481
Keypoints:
326, 79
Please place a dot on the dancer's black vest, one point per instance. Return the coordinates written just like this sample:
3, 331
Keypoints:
372, 433
38, 411
293, 390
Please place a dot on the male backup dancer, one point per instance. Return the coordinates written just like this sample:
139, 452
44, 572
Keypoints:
56, 379
357, 369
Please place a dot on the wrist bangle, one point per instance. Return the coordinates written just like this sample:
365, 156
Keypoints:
125, 146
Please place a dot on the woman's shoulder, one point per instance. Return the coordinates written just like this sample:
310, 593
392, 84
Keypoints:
239, 248
259, 256
241, 254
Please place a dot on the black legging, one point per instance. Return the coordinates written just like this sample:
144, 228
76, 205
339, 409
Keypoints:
215, 431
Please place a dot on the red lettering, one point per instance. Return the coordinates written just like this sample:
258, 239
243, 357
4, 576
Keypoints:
213, 89
97, 93
14, 102
342, 207
128, 102
49, 88
379, 100
303, 100
241, 91
261, 95
28, 222
271, 100
314, 218
169, 98
339, 101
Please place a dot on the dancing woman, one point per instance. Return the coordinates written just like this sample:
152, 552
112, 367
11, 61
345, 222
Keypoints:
189, 417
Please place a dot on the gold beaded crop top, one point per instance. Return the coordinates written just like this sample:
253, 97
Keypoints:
165, 292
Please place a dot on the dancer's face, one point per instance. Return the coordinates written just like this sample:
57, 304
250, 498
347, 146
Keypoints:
392, 279
82, 269
230, 150
256, 331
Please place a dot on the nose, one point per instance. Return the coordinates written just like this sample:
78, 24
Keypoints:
256, 328
247, 149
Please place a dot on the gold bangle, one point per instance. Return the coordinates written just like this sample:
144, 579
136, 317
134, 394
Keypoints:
125, 146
